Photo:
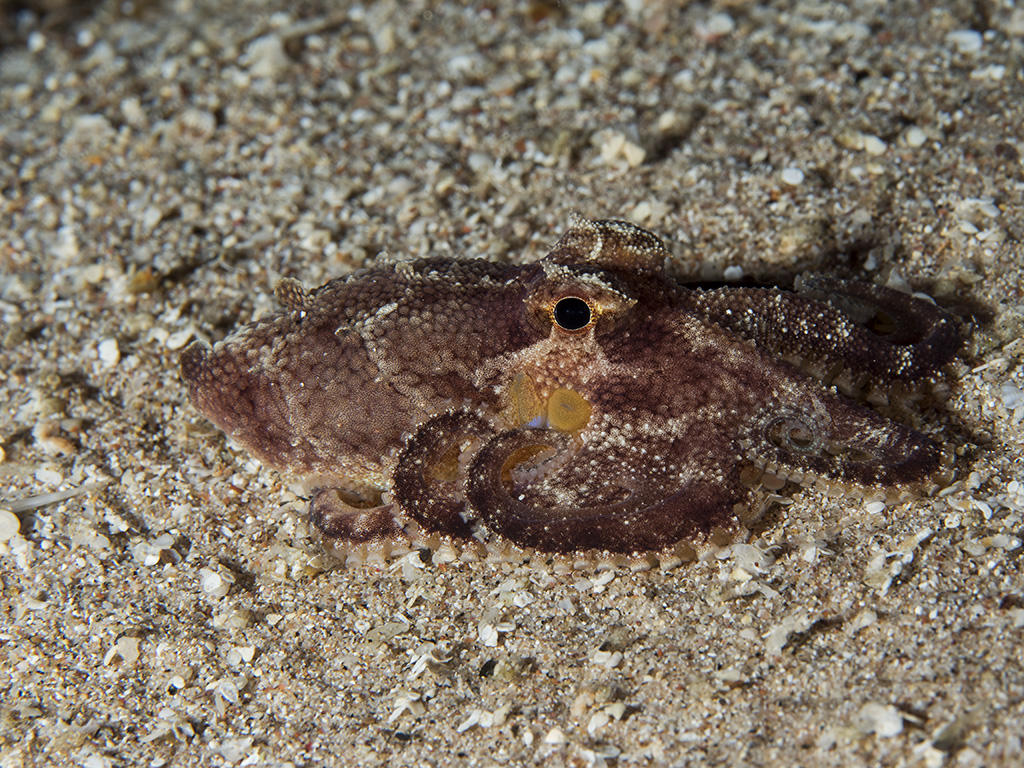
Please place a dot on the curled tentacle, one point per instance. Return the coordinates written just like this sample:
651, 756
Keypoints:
839, 439
341, 516
429, 477
532, 488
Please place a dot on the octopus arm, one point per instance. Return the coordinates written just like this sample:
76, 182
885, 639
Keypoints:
861, 328
535, 488
809, 434
429, 476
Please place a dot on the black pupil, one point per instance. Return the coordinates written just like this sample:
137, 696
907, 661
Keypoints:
572, 313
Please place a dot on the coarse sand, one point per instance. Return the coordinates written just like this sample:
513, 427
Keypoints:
163, 600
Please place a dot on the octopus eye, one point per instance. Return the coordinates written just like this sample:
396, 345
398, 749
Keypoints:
571, 313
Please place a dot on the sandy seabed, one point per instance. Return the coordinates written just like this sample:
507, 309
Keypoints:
162, 598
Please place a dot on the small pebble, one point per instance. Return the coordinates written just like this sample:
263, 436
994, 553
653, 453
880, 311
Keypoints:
735, 272
125, 649
616, 145
89, 133
266, 57
213, 583
606, 658
792, 176
9, 525
991, 72
965, 40
720, 24
488, 635
555, 737
241, 654
915, 137
668, 121
874, 145
633, 153
883, 720
150, 218
178, 339
109, 353
66, 246
132, 111
47, 476
597, 721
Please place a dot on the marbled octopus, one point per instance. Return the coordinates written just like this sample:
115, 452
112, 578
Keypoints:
585, 401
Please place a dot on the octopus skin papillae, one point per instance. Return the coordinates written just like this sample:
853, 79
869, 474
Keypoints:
583, 402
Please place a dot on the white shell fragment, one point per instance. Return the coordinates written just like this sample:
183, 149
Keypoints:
883, 720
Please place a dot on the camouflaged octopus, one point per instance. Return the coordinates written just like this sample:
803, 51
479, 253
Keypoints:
583, 402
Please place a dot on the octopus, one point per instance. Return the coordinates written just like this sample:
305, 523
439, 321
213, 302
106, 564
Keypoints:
586, 401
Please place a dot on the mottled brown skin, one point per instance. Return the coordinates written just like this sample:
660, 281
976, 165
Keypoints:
585, 401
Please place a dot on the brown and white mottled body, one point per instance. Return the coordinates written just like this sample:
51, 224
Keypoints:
585, 401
